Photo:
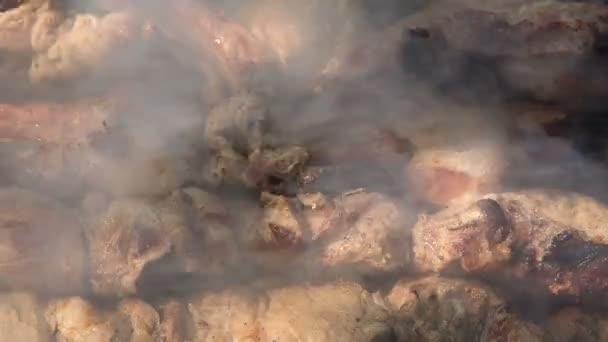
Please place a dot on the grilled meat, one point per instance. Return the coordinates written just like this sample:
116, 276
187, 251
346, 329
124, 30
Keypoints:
357, 229
443, 175
553, 239
332, 312
133, 237
76, 320
437, 309
55, 122
22, 318
236, 132
79, 45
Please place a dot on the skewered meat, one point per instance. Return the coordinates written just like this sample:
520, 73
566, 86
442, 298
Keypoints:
75, 320
436, 309
41, 246
553, 239
22, 318
444, 175
332, 312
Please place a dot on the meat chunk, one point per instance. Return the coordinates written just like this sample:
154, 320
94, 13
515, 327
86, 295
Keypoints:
74, 319
156, 240
22, 318
236, 133
437, 309
573, 324
42, 247
332, 312
173, 322
462, 42
443, 175
553, 239
79, 45
17, 18
55, 122
357, 229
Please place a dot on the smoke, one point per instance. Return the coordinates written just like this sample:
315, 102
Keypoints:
332, 70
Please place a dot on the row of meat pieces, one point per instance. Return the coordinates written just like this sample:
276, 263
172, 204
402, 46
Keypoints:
428, 309
99, 144
130, 245
557, 62
551, 241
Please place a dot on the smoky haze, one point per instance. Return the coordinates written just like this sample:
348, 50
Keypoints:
382, 70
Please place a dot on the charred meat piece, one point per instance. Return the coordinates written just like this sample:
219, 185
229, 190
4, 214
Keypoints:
553, 239
22, 318
276, 169
332, 312
437, 309
76, 320
42, 246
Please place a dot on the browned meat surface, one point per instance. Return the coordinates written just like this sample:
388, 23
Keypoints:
17, 19
134, 236
571, 324
173, 322
81, 44
22, 318
362, 229
76, 320
546, 50
554, 239
41, 246
332, 312
443, 175
55, 122
436, 309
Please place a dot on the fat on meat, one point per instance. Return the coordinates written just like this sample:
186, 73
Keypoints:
551, 240
339, 311
42, 247
74, 319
